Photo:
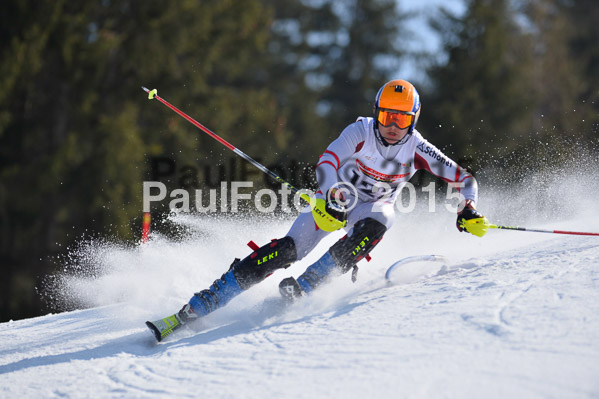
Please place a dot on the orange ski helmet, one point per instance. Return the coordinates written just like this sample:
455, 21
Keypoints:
398, 103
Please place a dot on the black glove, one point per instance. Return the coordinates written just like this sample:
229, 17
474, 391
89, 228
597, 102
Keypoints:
467, 213
335, 204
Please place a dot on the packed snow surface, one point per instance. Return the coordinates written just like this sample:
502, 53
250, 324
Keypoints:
512, 314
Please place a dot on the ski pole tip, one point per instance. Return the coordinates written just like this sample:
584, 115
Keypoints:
151, 93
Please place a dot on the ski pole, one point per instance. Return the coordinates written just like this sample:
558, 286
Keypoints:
325, 222
577, 233
154, 94
480, 226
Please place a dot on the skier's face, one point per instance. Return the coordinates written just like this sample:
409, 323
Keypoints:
392, 134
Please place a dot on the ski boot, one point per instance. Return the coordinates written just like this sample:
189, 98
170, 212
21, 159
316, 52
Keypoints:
290, 289
340, 258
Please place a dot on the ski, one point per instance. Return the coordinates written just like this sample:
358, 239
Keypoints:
256, 316
164, 327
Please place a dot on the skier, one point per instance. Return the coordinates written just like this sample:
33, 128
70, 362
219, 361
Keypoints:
373, 157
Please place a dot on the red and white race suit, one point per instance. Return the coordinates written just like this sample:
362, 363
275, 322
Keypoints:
375, 174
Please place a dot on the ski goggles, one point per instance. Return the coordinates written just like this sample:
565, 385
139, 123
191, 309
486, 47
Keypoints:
401, 119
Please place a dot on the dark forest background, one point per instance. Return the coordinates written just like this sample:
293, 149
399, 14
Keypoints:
278, 79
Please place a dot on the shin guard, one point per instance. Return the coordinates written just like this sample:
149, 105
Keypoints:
351, 249
264, 261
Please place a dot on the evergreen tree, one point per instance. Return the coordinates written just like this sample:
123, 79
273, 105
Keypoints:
76, 130
352, 56
555, 76
583, 35
330, 58
479, 98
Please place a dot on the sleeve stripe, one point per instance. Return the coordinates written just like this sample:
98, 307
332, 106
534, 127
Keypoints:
336, 157
329, 162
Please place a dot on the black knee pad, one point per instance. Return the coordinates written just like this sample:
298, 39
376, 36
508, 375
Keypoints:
264, 261
349, 250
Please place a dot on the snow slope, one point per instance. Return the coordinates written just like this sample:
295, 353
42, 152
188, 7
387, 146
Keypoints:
513, 314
